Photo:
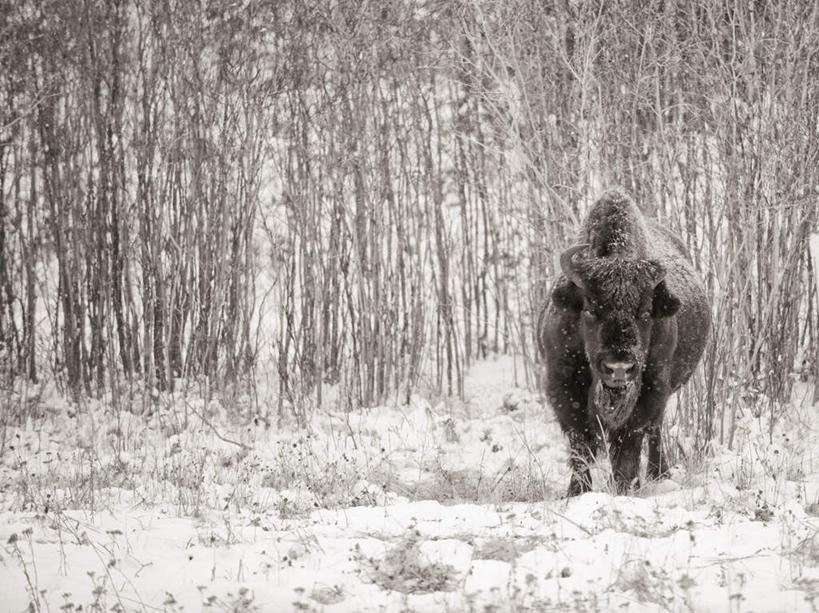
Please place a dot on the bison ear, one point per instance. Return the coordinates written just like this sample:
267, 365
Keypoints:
665, 303
566, 295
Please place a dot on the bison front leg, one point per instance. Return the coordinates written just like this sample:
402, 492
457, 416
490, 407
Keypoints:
582, 449
652, 407
657, 466
625, 460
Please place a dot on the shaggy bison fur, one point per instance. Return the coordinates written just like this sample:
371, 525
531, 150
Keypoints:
625, 327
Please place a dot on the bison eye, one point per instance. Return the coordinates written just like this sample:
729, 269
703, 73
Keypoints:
646, 316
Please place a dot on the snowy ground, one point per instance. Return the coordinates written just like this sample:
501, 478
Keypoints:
435, 506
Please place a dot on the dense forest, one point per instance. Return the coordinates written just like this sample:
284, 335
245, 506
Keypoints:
372, 195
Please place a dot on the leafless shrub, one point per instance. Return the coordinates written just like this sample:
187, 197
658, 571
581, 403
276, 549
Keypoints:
400, 177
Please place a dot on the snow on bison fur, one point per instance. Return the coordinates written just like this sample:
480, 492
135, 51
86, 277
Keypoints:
625, 327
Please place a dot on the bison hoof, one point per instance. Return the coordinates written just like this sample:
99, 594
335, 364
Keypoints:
627, 487
577, 487
656, 474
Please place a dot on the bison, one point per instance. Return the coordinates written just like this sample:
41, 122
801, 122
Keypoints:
624, 328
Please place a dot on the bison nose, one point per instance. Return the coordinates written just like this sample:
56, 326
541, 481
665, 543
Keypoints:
618, 374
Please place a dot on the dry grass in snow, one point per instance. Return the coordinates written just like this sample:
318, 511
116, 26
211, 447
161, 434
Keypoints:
435, 506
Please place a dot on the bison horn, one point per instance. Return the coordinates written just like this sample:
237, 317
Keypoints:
567, 264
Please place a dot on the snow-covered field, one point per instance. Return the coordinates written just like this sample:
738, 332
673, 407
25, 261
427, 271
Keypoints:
436, 506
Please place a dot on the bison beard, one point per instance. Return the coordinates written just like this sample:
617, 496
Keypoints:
614, 404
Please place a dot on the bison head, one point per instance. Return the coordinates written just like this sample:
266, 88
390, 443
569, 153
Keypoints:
620, 301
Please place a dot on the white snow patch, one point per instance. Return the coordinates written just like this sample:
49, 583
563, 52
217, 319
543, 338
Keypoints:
435, 506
